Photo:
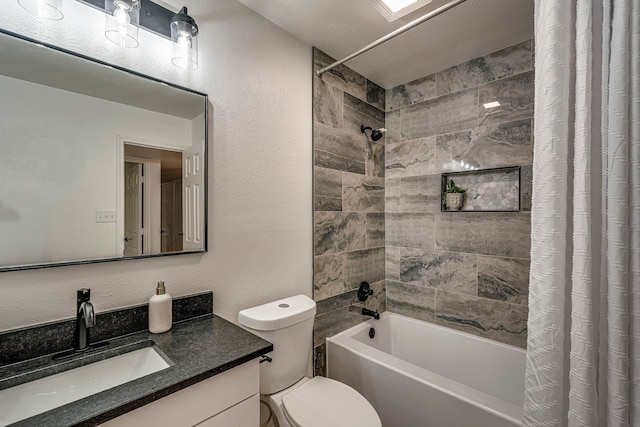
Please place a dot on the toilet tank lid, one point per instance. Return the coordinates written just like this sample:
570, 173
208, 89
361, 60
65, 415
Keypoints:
278, 314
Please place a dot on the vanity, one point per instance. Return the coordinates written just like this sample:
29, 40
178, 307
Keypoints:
212, 378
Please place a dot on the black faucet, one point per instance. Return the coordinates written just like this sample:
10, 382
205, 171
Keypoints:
372, 313
85, 319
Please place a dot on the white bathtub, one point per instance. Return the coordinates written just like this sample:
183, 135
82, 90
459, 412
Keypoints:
417, 374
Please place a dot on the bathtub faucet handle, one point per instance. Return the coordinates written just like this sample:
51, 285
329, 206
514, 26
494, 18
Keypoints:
364, 291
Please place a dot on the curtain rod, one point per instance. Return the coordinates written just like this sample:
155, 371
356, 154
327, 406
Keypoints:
393, 34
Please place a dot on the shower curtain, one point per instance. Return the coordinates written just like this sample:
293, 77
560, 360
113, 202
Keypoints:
583, 358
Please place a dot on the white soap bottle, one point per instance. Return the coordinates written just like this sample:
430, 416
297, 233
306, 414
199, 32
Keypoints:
160, 315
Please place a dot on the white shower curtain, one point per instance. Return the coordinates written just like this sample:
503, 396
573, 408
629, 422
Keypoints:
583, 358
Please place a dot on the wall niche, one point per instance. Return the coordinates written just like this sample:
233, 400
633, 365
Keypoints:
485, 190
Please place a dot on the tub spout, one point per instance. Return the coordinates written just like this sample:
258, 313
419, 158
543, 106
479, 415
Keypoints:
372, 313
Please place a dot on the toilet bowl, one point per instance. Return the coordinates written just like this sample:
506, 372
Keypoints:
295, 400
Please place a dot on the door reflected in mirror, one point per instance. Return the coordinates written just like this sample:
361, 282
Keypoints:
156, 211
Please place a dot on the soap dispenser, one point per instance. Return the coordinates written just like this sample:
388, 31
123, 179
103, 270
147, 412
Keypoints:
160, 314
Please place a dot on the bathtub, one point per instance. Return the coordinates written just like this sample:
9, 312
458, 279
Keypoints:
417, 374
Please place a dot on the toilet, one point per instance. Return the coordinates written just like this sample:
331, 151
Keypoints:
293, 399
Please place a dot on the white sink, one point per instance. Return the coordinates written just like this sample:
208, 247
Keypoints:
35, 397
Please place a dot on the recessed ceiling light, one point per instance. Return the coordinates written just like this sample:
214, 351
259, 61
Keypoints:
493, 104
394, 9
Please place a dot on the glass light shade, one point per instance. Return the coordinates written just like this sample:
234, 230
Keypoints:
47, 9
121, 22
184, 34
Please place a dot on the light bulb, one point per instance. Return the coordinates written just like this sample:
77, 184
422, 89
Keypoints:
184, 40
121, 25
122, 13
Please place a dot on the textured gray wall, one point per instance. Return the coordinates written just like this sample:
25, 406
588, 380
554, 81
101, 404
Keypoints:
348, 199
464, 270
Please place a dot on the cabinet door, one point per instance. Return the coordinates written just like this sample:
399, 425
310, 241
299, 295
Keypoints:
192, 405
244, 414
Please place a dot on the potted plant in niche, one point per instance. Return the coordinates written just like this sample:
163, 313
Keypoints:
453, 196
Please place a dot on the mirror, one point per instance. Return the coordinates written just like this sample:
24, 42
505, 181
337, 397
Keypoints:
97, 163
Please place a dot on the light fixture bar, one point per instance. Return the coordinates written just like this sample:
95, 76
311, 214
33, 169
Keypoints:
153, 17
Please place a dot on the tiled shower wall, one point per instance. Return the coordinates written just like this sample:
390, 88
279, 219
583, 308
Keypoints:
464, 270
348, 181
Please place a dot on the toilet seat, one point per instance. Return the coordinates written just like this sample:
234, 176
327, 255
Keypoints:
322, 402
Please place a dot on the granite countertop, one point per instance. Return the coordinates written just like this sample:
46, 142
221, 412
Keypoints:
198, 348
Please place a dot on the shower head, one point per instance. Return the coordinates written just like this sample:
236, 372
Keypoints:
376, 134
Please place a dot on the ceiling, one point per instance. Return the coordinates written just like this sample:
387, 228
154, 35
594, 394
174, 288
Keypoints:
341, 27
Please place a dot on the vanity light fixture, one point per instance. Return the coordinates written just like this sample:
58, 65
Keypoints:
47, 9
184, 35
122, 19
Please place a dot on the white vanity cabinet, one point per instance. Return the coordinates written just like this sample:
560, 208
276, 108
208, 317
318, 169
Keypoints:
229, 399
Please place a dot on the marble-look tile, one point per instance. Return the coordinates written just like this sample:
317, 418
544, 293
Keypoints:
337, 149
420, 194
418, 302
374, 165
506, 144
413, 230
328, 276
324, 203
487, 318
488, 233
392, 262
364, 265
320, 360
362, 193
342, 77
515, 95
327, 187
336, 302
366, 109
449, 271
392, 191
377, 301
338, 232
411, 158
331, 323
504, 279
376, 95
375, 229
392, 123
491, 190
411, 93
354, 118
327, 104
449, 113
503, 63
526, 187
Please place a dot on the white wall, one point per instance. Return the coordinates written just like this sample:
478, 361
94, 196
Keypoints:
258, 78
60, 169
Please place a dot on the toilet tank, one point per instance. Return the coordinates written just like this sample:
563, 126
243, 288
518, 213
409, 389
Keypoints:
288, 325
